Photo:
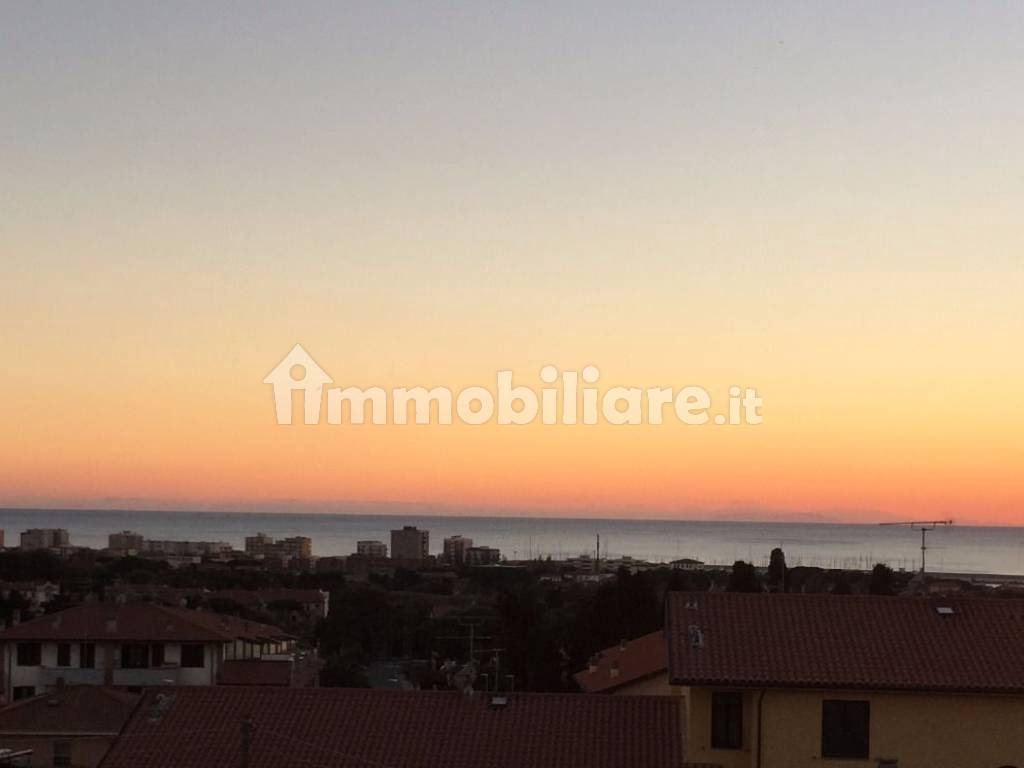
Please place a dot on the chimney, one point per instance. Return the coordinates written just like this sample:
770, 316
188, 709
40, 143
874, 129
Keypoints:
613, 671
622, 644
696, 636
592, 664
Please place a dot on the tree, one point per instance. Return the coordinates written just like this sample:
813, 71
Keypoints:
777, 570
743, 578
881, 580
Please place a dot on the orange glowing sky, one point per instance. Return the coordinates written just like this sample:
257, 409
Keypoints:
818, 202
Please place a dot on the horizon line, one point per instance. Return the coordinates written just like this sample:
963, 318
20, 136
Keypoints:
519, 514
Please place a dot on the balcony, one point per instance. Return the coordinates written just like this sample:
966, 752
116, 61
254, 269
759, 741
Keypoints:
167, 675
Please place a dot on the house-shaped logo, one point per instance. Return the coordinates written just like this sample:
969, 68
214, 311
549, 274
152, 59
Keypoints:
298, 371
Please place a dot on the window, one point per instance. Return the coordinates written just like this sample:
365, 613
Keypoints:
61, 753
726, 720
87, 655
30, 654
63, 654
157, 655
845, 728
134, 656
192, 655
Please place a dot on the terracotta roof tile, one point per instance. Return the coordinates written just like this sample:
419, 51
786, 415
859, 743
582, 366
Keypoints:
139, 621
641, 658
75, 709
847, 641
256, 672
354, 728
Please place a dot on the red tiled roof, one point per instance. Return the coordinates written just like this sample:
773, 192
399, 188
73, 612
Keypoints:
846, 641
139, 622
256, 672
76, 709
641, 658
199, 727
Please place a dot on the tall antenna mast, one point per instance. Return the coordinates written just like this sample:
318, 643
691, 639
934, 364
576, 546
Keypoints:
924, 526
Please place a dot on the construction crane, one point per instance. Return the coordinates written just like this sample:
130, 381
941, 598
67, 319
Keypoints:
924, 526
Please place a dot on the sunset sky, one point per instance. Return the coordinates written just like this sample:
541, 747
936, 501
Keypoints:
812, 199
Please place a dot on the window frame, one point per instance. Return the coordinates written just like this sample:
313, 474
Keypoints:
184, 651
87, 655
137, 654
846, 729
25, 659
727, 720
64, 649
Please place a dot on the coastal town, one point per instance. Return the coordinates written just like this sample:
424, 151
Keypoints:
511, 385
110, 654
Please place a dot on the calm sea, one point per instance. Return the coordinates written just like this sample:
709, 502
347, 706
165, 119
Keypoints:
963, 549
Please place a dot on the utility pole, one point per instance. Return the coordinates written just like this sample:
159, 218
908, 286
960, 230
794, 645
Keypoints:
924, 526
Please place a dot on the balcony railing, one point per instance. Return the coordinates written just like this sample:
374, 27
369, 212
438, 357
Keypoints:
167, 675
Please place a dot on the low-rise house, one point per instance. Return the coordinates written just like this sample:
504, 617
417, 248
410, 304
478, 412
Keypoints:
300, 669
810, 681
632, 667
132, 645
356, 728
73, 726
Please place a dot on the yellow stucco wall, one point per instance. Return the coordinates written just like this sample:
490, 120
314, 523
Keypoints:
698, 736
919, 730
